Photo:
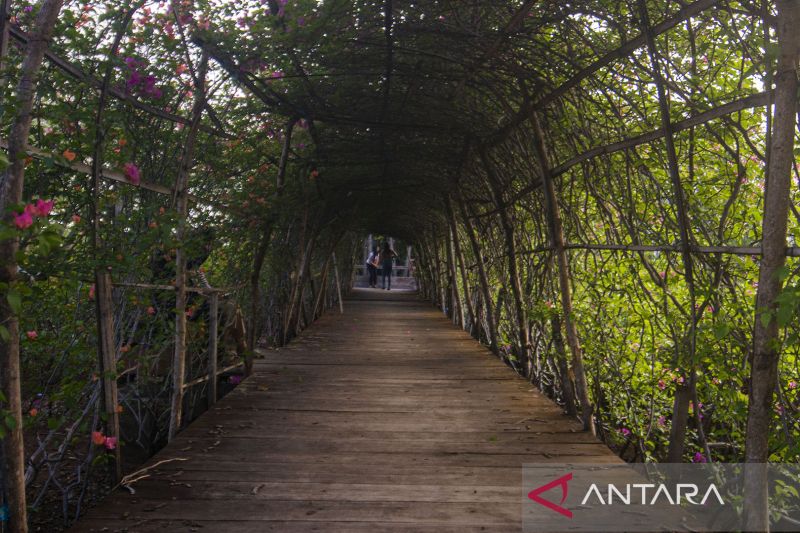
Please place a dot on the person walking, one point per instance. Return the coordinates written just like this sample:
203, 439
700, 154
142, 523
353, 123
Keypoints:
387, 263
372, 267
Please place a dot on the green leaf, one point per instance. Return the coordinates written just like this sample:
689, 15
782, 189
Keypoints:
5, 335
15, 301
721, 330
784, 315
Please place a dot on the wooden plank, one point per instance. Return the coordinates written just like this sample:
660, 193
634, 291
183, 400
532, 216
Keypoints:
356, 427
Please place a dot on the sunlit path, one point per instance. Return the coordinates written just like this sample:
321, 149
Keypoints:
386, 418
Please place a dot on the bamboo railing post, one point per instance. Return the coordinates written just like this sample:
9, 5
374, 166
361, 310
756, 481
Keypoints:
213, 348
182, 206
108, 361
338, 283
556, 231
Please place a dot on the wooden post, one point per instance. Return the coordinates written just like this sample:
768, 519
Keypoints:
338, 283
766, 354
182, 205
213, 333
106, 347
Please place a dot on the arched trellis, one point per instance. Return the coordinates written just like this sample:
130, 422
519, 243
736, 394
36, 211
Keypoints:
514, 150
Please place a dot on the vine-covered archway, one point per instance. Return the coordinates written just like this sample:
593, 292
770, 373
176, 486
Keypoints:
603, 192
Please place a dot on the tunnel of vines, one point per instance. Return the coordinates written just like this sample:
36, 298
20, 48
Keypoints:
604, 193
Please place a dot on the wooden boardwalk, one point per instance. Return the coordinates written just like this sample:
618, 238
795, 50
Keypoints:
386, 418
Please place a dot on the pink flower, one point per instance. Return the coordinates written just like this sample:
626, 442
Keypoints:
110, 443
76, 218
132, 173
151, 310
699, 458
792, 385
662, 420
277, 75
625, 432
662, 384
32, 335
23, 220
43, 207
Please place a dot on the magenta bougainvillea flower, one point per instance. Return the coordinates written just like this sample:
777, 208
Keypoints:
699, 458
132, 173
44, 207
23, 220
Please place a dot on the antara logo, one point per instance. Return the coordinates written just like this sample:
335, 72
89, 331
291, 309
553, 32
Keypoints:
631, 494
560, 482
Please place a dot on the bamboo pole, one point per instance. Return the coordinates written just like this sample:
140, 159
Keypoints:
338, 283
107, 357
457, 314
680, 411
766, 354
182, 206
213, 334
266, 238
511, 250
483, 278
556, 231
108, 361
459, 257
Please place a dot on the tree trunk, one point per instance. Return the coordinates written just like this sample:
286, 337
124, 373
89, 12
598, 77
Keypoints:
11, 193
556, 230
764, 366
